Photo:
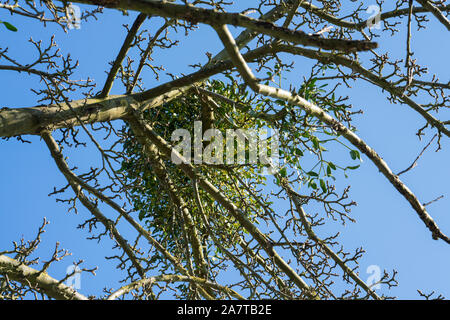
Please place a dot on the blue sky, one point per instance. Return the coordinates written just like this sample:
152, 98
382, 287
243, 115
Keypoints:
387, 227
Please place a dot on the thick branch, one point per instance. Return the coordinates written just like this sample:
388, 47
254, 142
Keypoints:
199, 15
122, 53
53, 288
27, 70
173, 278
19, 121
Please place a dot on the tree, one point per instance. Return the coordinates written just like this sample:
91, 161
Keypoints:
195, 215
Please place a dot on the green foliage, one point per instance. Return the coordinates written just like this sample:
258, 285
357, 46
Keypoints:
151, 200
302, 155
9, 26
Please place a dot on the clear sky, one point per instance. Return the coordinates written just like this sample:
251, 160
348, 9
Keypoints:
387, 227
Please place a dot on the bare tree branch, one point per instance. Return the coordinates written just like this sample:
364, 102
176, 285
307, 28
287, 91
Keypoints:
121, 55
195, 15
173, 278
53, 288
436, 12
